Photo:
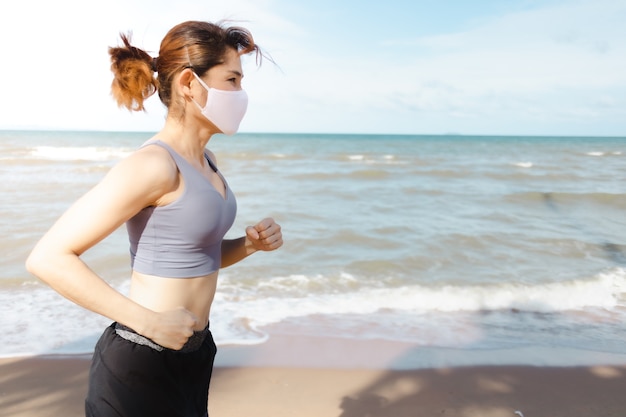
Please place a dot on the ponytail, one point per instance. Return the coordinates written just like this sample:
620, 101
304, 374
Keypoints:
133, 75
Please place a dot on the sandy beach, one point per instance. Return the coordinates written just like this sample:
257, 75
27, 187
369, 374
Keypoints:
439, 275
333, 378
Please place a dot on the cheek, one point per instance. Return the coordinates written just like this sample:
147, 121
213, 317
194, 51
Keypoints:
200, 95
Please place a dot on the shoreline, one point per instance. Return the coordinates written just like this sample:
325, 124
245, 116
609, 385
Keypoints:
296, 351
318, 352
329, 377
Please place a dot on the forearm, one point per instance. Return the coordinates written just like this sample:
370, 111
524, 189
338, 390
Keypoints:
235, 250
72, 278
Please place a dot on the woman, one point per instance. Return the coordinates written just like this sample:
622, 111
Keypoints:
157, 356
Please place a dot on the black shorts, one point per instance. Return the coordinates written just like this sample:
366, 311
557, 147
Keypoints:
132, 379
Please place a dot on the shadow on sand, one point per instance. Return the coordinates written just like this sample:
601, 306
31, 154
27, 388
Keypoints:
39, 387
493, 392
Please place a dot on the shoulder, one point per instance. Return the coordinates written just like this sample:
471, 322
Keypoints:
149, 170
150, 161
154, 157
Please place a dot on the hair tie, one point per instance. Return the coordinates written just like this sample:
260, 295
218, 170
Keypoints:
154, 64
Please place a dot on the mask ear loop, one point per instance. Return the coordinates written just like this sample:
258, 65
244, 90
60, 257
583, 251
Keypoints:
193, 71
189, 60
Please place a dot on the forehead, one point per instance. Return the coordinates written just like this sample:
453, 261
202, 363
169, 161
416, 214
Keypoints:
232, 62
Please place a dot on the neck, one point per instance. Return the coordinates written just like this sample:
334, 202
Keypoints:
188, 139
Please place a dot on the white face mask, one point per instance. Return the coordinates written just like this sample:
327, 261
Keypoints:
225, 109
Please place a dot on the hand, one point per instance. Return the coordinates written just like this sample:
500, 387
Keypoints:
265, 235
173, 328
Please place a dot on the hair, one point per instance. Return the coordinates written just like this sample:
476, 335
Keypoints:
192, 44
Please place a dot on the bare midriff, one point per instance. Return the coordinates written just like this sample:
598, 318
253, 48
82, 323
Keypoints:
163, 294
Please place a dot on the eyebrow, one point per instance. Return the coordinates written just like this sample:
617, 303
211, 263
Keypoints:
237, 73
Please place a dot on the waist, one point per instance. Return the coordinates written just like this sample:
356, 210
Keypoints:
193, 343
164, 294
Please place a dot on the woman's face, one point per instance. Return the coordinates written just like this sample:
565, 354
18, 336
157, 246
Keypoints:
226, 76
229, 102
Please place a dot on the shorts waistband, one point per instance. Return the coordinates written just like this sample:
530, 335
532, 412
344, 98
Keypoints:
193, 343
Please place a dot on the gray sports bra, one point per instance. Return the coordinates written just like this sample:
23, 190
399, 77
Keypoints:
182, 239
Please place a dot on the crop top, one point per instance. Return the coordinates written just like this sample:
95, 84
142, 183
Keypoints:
183, 239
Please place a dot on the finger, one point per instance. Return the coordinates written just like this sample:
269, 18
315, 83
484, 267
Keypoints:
264, 224
269, 237
275, 233
273, 242
277, 243
252, 233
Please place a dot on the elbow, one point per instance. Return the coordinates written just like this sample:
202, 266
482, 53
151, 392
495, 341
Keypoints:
36, 264
49, 261
33, 263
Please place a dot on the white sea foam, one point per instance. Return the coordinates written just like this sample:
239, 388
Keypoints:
78, 153
604, 291
37, 320
445, 315
524, 164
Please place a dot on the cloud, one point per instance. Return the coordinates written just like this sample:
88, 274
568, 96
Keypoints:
558, 67
555, 64
550, 62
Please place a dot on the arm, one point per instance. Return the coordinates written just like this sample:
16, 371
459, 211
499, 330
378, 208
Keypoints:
56, 257
264, 236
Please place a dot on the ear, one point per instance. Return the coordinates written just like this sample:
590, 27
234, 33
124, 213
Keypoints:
184, 81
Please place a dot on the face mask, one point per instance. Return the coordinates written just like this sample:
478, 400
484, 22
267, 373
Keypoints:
225, 109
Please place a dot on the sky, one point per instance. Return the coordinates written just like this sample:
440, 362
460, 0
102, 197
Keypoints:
474, 67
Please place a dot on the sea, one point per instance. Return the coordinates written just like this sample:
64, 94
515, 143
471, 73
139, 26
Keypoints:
468, 246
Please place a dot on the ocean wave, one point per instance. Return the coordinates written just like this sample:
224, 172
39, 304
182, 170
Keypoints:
229, 156
34, 313
564, 198
361, 174
417, 308
523, 164
78, 153
375, 159
603, 153
292, 296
